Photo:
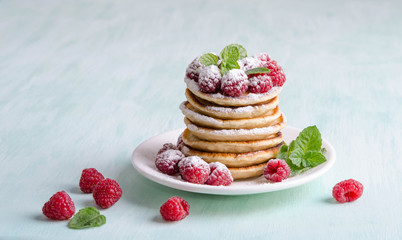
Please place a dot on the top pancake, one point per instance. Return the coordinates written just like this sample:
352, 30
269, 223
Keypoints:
220, 99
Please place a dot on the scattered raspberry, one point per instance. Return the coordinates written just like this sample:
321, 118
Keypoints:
347, 191
107, 192
249, 63
167, 161
59, 207
210, 79
175, 209
259, 83
220, 175
89, 178
276, 73
180, 142
234, 83
276, 170
193, 169
263, 57
194, 68
167, 146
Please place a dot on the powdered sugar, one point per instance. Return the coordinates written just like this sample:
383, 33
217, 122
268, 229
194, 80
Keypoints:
210, 79
249, 63
192, 162
192, 114
167, 161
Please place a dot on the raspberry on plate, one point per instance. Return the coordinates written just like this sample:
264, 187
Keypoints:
59, 207
107, 192
347, 191
167, 161
210, 79
259, 83
180, 142
194, 68
234, 83
167, 146
276, 73
89, 178
193, 169
175, 209
276, 170
220, 175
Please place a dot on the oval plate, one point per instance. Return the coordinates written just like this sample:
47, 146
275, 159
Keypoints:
143, 160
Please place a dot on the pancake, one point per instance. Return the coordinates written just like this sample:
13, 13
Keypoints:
230, 146
213, 110
205, 121
234, 159
211, 134
223, 100
248, 172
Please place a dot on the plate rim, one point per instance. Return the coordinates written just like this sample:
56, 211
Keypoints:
176, 183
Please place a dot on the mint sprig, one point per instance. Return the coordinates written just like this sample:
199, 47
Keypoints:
257, 70
305, 152
228, 52
209, 59
86, 218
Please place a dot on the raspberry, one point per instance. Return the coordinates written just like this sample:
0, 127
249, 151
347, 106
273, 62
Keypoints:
107, 192
167, 146
347, 191
59, 207
249, 63
89, 178
220, 175
276, 170
193, 169
167, 161
175, 209
276, 73
234, 83
259, 83
263, 57
210, 79
194, 68
180, 142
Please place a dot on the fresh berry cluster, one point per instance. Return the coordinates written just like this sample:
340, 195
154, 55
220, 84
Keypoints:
193, 169
106, 192
237, 82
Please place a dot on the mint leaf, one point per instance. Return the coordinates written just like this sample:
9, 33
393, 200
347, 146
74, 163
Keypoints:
309, 139
315, 158
283, 152
228, 65
257, 70
242, 50
86, 218
209, 59
230, 52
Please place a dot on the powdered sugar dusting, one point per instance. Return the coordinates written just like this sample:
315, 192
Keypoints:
190, 113
192, 162
249, 63
231, 110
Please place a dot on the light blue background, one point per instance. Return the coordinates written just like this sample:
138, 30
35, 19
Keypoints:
84, 82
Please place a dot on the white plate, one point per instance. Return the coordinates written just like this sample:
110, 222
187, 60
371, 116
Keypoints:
143, 160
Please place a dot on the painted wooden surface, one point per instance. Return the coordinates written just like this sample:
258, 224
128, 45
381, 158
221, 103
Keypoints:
84, 82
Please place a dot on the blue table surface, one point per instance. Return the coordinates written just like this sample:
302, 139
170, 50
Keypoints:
82, 83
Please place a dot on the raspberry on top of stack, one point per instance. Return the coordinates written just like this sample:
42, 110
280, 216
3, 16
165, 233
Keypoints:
232, 113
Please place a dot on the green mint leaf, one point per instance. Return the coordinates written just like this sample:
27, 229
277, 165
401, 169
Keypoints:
209, 59
257, 70
229, 64
283, 152
242, 50
309, 139
86, 218
296, 157
230, 53
314, 158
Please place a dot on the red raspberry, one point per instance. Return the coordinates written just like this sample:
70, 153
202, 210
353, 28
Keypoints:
167, 146
194, 68
193, 169
347, 191
107, 192
276, 73
249, 63
175, 209
264, 57
220, 175
276, 170
59, 207
234, 83
210, 79
180, 142
259, 83
89, 178
167, 161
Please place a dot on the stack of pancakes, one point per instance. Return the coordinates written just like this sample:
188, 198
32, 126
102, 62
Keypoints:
243, 133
